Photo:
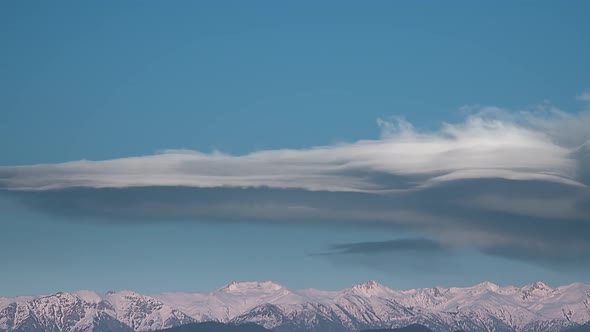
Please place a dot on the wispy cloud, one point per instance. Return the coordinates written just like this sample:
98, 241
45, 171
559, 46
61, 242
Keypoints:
584, 96
512, 184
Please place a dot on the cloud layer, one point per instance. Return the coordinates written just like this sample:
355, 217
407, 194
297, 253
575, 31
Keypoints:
510, 184
486, 145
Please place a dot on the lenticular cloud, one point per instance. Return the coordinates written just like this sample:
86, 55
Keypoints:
490, 144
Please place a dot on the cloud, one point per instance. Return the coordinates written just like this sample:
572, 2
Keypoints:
584, 96
509, 184
484, 146
409, 257
397, 245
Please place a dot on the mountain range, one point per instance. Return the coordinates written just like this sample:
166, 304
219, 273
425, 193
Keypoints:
484, 307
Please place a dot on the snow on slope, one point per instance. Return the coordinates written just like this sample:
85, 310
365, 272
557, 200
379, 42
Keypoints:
484, 307
370, 304
145, 313
229, 301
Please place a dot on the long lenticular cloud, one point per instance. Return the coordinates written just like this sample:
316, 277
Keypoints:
482, 147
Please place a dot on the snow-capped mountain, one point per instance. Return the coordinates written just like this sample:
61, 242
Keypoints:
483, 307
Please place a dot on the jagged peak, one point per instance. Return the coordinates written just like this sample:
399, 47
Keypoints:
370, 287
539, 285
367, 285
126, 293
245, 286
438, 291
536, 289
59, 295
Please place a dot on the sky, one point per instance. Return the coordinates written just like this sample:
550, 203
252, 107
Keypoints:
178, 146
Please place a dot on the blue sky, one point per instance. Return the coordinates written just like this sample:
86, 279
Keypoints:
83, 81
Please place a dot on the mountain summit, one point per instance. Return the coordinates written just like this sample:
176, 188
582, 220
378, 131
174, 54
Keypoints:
371, 288
247, 286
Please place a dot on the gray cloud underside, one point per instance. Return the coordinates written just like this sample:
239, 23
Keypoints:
398, 245
508, 184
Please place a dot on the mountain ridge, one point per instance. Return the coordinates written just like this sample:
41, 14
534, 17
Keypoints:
535, 307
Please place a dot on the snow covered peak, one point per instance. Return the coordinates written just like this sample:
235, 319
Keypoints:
88, 296
486, 285
124, 293
371, 284
251, 286
535, 290
539, 285
538, 288
145, 313
367, 286
371, 288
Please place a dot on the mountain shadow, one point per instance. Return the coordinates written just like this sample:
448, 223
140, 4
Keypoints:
409, 328
581, 328
216, 327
